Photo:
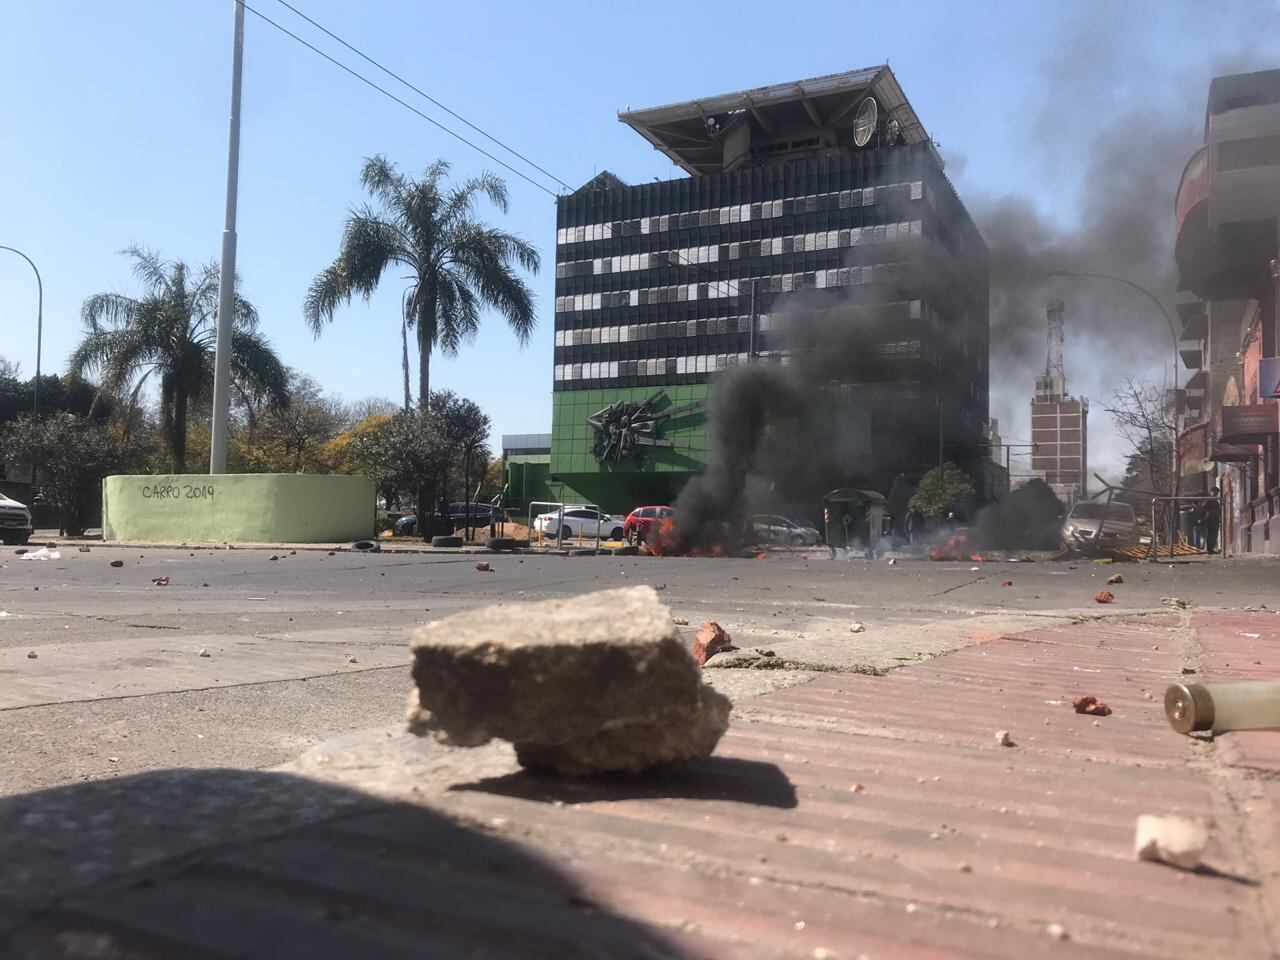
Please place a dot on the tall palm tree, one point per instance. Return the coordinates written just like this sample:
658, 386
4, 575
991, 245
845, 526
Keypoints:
170, 333
455, 264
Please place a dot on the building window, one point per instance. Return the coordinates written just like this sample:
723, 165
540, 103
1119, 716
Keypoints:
1249, 152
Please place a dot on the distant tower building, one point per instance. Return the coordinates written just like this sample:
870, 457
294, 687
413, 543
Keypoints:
1059, 423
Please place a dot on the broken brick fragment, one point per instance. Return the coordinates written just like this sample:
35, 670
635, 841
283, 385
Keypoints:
1114, 579
712, 639
1104, 596
1091, 706
483, 566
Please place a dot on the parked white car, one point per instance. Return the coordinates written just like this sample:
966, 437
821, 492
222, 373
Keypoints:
15, 521
773, 529
579, 521
1085, 519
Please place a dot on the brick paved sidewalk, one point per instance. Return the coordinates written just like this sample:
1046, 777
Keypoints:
851, 816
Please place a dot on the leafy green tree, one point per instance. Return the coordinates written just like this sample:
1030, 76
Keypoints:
74, 455
291, 439
404, 452
169, 333
464, 431
455, 265
941, 490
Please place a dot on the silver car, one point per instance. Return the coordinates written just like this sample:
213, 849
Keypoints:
1085, 524
774, 529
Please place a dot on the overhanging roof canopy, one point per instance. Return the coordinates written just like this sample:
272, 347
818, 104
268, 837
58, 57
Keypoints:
690, 132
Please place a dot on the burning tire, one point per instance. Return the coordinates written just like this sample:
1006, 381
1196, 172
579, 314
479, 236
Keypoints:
636, 537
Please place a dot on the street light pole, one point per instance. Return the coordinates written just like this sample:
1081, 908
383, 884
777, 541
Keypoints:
35, 398
1173, 332
227, 278
35, 384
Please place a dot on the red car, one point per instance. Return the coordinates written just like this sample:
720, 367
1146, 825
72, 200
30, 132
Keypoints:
641, 521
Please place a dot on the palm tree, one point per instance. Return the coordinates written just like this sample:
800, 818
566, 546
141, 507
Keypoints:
170, 333
455, 265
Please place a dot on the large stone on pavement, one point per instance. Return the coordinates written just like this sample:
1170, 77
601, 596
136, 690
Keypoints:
595, 683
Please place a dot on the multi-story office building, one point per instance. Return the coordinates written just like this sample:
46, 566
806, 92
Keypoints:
1059, 422
828, 186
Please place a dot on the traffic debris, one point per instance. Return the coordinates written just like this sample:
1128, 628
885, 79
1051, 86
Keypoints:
533, 673
712, 639
1104, 596
1177, 841
44, 553
1114, 579
1091, 706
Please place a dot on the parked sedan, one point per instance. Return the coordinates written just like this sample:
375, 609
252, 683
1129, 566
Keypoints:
579, 522
642, 521
15, 521
774, 529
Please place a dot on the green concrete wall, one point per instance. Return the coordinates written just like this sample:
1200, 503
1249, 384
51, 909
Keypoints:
238, 508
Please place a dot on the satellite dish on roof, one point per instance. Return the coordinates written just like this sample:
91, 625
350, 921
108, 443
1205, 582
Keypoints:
864, 124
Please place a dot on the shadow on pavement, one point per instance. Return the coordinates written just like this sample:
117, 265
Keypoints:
711, 778
202, 863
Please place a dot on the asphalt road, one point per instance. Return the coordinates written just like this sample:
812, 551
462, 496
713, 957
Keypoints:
300, 648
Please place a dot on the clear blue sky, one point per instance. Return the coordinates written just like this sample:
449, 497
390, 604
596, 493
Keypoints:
114, 118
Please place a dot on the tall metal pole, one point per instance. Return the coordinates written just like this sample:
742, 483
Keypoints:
35, 399
227, 280
35, 388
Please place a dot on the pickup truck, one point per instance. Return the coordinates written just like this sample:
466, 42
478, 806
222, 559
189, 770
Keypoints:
15, 521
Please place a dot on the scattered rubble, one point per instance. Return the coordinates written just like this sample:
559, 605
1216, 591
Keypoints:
1114, 579
1091, 706
160, 581
1176, 602
1057, 931
32, 655
204, 652
352, 660
1104, 596
483, 566
1177, 841
593, 684
680, 621
44, 553
117, 563
857, 627
1006, 583
1003, 738
712, 639
84, 549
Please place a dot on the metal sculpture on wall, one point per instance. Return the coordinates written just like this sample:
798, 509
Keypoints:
626, 430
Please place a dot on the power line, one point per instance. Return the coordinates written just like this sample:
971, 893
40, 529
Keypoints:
408, 106
720, 284
422, 93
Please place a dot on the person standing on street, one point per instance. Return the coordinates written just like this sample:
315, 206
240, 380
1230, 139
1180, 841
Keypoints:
1211, 520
